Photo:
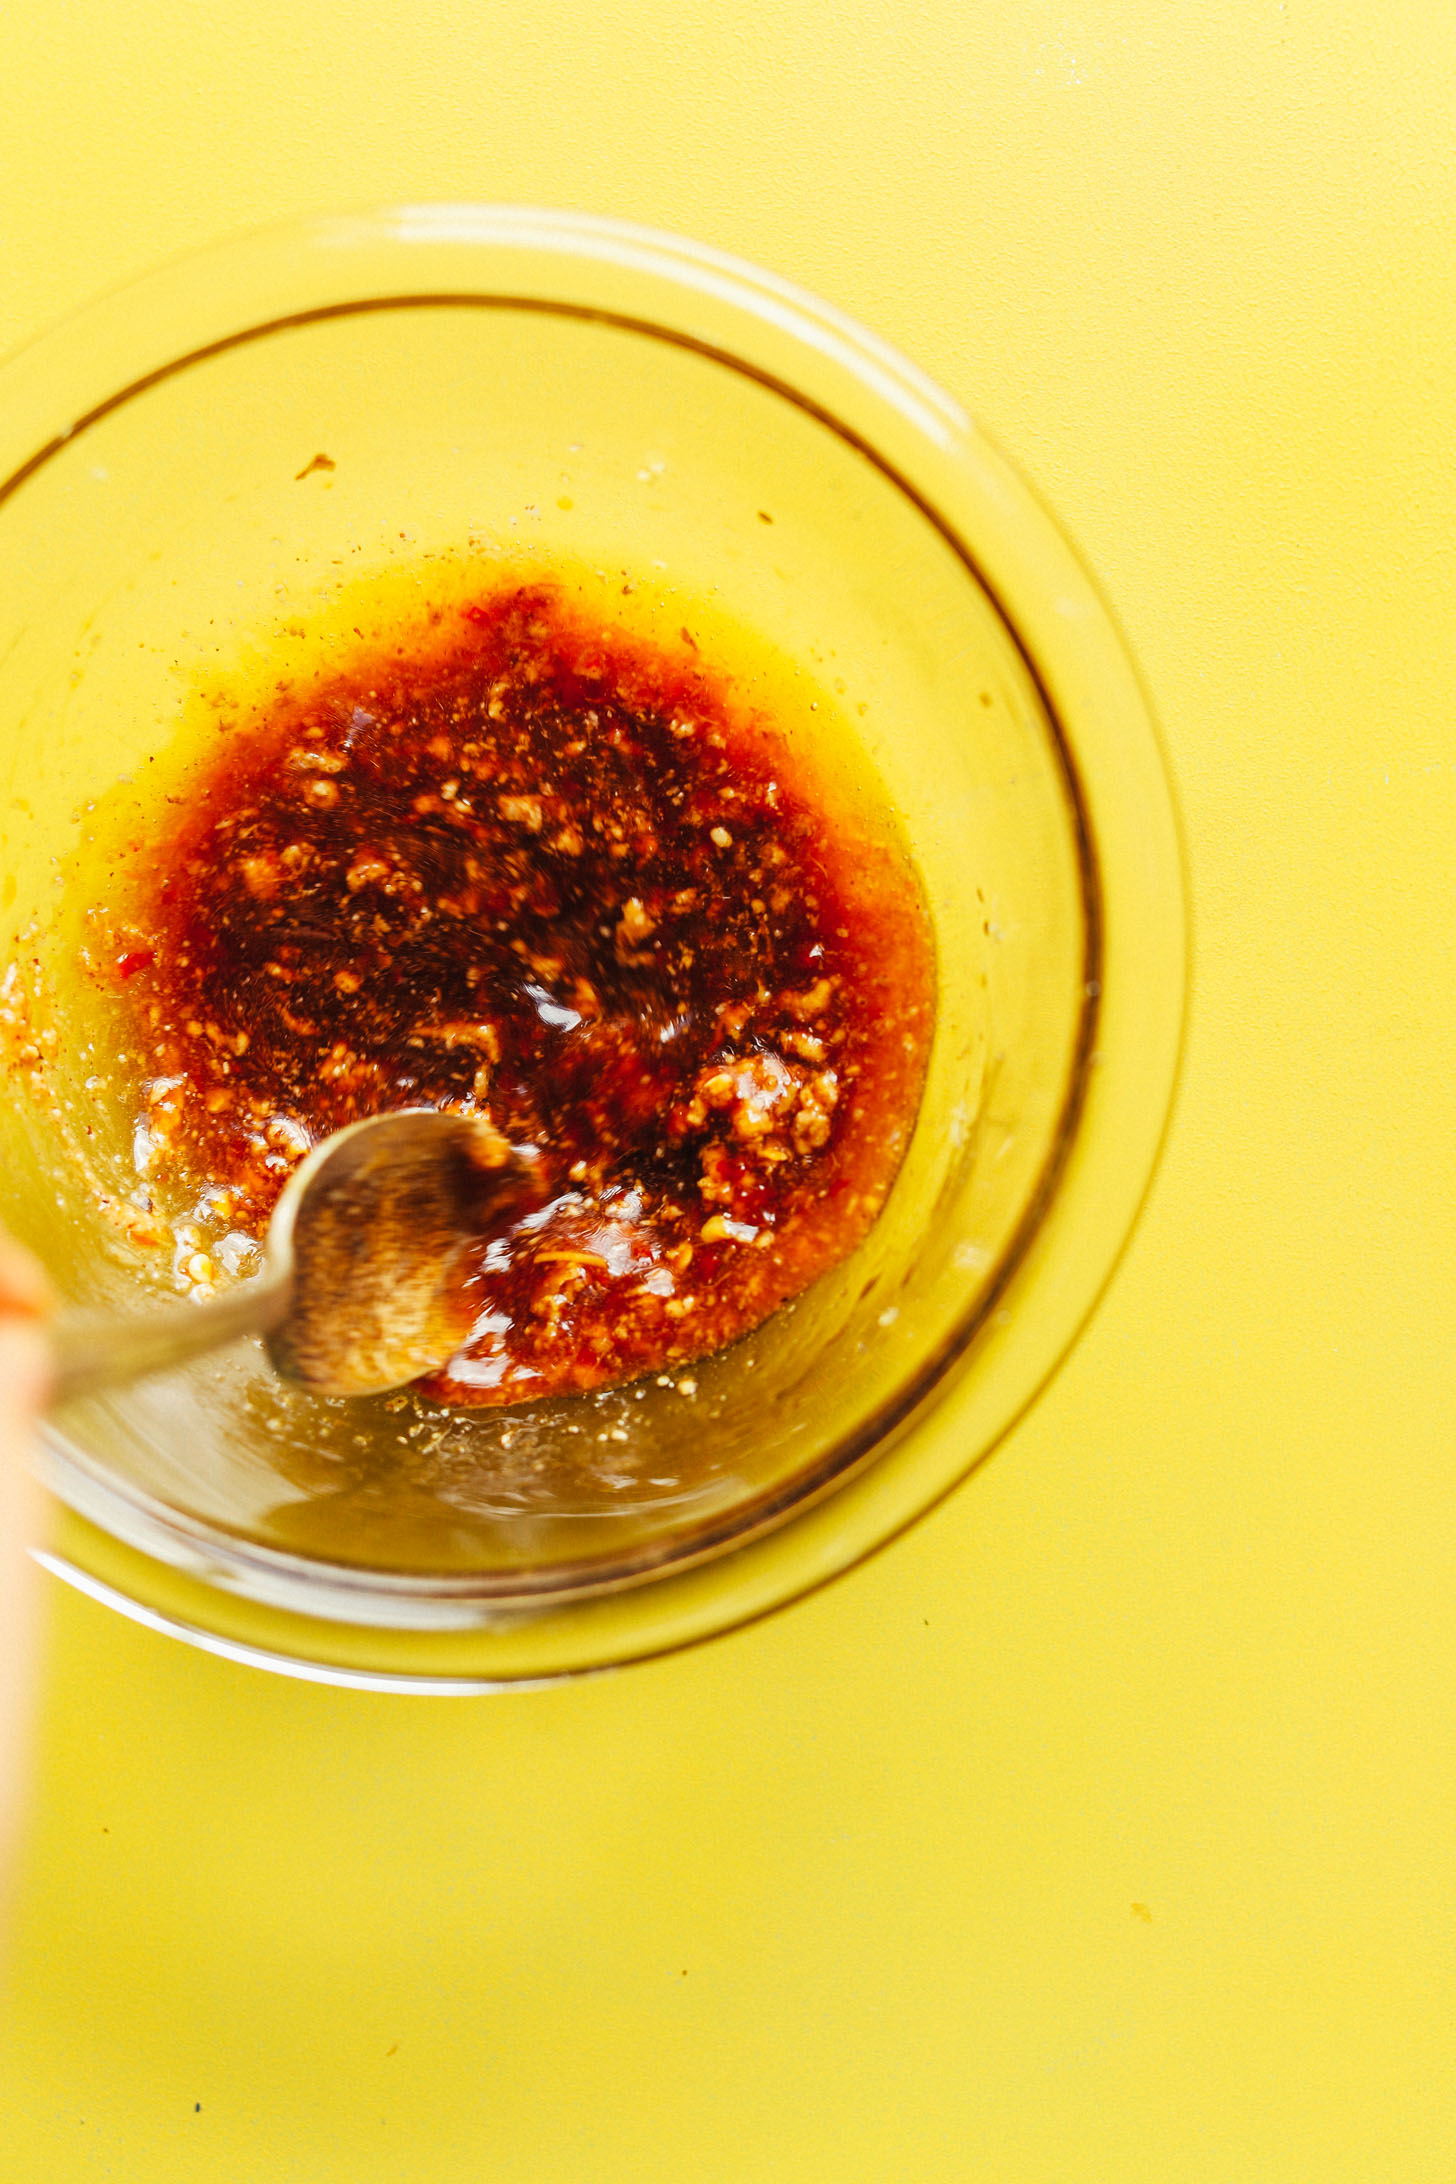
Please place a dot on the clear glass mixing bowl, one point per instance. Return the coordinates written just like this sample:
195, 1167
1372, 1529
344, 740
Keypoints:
502, 380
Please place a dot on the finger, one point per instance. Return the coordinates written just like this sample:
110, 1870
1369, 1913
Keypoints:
23, 1287
25, 1373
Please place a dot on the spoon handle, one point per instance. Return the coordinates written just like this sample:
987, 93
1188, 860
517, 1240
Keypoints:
91, 1354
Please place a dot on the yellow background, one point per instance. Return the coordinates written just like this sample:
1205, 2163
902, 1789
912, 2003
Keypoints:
1105, 1827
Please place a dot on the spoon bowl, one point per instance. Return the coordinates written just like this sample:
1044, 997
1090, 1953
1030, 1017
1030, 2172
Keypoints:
361, 1286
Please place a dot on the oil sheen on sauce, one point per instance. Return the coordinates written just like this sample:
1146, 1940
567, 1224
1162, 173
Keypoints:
549, 868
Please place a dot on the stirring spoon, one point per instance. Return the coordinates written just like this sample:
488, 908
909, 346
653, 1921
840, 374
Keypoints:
360, 1286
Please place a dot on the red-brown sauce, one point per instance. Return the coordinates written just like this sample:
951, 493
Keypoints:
557, 873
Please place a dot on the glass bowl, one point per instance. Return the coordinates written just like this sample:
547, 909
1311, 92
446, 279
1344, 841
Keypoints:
526, 386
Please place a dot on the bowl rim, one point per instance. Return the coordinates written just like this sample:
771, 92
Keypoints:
1123, 1067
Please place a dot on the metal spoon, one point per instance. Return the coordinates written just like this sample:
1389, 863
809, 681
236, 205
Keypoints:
360, 1286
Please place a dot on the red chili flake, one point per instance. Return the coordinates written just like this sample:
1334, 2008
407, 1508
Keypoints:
478, 615
135, 959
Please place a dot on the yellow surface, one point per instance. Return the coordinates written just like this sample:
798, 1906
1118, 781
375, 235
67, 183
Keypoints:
1103, 1827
